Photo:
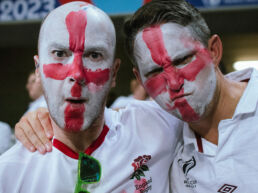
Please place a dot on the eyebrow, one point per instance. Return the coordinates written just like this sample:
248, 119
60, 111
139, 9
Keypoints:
58, 46
183, 54
153, 70
96, 47
87, 48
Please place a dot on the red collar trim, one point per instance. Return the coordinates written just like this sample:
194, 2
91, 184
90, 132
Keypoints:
69, 152
199, 142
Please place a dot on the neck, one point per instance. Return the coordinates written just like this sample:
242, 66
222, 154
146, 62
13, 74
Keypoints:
80, 141
223, 106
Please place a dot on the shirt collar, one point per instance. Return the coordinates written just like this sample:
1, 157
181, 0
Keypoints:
95, 145
248, 101
189, 136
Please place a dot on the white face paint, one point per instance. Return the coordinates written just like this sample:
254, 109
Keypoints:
76, 53
176, 70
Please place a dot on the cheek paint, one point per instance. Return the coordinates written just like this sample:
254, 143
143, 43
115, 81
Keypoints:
191, 71
74, 117
56, 71
171, 79
156, 85
186, 111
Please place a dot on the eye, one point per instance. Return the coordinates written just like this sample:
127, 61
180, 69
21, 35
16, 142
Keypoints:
59, 53
95, 56
153, 72
184, 60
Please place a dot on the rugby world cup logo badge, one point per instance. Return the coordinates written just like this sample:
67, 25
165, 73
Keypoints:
186, 167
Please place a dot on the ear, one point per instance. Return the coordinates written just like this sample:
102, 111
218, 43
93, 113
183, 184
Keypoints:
37, 73
115, 70
36, 61
137, 75
216, 49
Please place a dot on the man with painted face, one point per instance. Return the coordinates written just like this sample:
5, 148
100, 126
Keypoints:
177, 60
77, 68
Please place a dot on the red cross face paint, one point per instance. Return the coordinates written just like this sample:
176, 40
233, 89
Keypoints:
176, 70
76, 54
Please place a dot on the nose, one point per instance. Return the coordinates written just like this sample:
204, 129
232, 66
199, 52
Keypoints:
174, 80
77, 71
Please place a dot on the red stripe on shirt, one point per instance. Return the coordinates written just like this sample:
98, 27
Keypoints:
69, 152
199, 142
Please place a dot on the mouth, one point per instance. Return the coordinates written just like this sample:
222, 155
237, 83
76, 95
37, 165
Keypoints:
179, 97
75, 100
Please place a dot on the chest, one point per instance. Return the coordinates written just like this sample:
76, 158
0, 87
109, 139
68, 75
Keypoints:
231, 167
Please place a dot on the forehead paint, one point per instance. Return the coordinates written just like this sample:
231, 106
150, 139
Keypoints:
171, 79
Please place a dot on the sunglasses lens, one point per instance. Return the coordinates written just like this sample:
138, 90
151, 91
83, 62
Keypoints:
90, 169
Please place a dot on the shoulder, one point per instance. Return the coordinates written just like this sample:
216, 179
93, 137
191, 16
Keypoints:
19, 155
12, 162
14, 155
241, 75
144, 115
5, 128
150, 111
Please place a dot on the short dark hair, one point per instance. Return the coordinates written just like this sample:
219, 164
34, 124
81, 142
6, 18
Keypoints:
165, 11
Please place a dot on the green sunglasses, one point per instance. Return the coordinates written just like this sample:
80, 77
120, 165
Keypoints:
89, 172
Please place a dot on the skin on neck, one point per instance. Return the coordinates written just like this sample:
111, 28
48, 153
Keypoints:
227, 96
80, 141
